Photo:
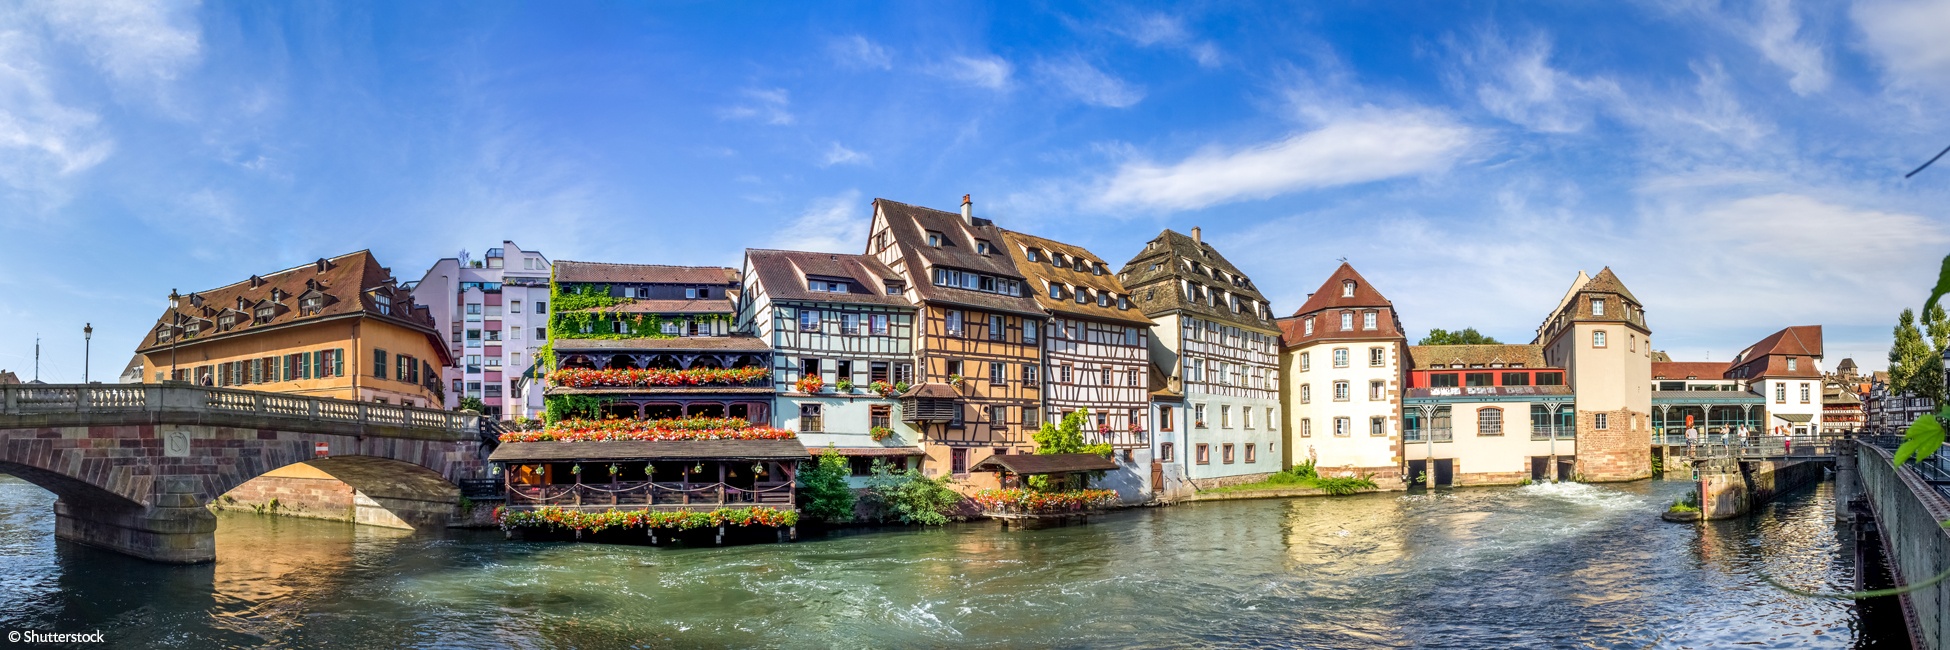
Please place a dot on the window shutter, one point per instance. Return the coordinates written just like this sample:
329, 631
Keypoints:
338, 362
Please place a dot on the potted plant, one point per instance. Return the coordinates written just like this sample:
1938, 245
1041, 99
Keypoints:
845, 385
955, 380
810, 384
900, 387
880, 434
882, 387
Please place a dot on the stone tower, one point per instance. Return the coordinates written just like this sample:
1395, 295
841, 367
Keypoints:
1598, 334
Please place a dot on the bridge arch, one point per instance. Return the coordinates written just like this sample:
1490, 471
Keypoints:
369, 490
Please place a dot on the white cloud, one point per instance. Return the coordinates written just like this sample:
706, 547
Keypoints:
1777, 36
1908, 38
840, 155
768, 105
857, 51
1517, 82
833, 224
136, 43
989, 72
1366, 146
1150, 30
1090, 85
42, 139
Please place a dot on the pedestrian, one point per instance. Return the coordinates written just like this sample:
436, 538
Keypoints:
1692, 436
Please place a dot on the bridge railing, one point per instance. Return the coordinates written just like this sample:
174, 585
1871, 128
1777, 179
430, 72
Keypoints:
52, 399
1759, 447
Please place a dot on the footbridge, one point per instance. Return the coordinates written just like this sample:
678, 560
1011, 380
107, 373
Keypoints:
135, 465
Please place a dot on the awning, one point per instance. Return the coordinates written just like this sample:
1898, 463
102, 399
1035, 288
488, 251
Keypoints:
1794, 417
1023, 464
626, 450
932, 390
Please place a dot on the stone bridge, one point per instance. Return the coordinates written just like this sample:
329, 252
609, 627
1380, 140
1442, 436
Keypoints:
135, 465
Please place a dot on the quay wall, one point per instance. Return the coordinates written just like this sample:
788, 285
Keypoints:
1911, 515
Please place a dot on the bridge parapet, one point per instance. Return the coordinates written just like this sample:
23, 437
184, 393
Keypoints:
54, 405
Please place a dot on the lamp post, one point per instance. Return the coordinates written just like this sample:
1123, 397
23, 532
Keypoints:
87, 336
175, 319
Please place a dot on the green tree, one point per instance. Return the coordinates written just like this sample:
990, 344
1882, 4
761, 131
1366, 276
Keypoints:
1065, 438
911, 497
1909, 359
1464, 336
824, 484
472, 404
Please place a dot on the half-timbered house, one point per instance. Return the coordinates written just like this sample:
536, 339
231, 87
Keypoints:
842, 335
1214, 340
1096, 351
977, 392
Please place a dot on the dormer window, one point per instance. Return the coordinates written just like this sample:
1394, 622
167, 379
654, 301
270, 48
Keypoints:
823, 286
265, 313
226, 322
1055, 291
192, 328
312, 305
982, 247
893, 288
1347, 321
1597, 306
1347, 288
1792, 363
1308, 326
1030, 254
934, 239
1099, 269
1103, 300
1083, 295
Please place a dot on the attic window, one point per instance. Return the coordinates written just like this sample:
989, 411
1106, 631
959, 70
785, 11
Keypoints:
983, 248
1791, 364
1103, 300
1083, 295
265, 313
1098, 269
226, 322
1123, 302
313, 304
934, 239
1030, 254
893, 288
1597, 306
1347, 288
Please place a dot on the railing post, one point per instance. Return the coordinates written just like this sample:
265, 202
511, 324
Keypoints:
9, 400
82, 399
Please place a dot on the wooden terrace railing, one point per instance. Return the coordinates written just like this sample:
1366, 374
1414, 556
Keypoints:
648, 493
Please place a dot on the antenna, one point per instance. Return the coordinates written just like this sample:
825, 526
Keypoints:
37, 358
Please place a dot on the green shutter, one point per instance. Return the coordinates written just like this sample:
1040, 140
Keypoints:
338, 362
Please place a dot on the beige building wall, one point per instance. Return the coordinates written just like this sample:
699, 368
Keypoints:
358, 337
1480, 459
1613, 381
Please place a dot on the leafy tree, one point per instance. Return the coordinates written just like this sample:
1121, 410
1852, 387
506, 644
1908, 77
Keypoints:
824, 484
472, 404
911, 497
1464, 336
1065, 438
1925, 436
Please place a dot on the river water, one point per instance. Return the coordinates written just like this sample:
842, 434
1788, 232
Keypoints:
1545, 566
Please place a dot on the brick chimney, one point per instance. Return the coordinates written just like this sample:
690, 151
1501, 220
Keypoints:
967, 211
1195, 236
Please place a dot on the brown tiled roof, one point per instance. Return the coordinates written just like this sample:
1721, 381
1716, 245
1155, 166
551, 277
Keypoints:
1422, 357
1044, 271
353, 284
1688, 370
646, 306
782, 275
1327, 301
1768, 357
600, 272
910, 226
8, 377
932, 390
1157, 290
788, 449
1023, 464
1608, 282
1661, 357
734, 343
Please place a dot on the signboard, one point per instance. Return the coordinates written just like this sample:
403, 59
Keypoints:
321, 449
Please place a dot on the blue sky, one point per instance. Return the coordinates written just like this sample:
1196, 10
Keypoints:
1738, 165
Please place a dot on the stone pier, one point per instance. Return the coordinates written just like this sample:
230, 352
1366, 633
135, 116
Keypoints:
1731, 489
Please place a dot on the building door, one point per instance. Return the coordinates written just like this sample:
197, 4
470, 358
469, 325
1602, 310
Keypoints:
1417, 473
1157, 476
1445, 471
1540, 468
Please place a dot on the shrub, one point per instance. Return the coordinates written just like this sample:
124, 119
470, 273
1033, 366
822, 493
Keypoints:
911, 497
824, 486
1346, 485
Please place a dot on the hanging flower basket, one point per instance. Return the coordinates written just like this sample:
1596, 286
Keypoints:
810, 384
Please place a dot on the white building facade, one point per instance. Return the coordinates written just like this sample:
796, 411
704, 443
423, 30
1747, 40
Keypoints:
1343, 355
493, 315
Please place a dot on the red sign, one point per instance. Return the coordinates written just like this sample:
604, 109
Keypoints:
321, 450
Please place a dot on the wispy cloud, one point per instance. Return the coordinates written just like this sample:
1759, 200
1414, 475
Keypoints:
137, 44
1090, 85
768, 105
840, 155
858, 52
43, 139
989, 72
829, 224
1517, 82
1156, 29
1907, 38
1365, 146
1778, 37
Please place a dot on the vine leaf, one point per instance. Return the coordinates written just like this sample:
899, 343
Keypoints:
1924, 437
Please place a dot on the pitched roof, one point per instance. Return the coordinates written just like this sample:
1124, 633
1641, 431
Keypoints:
1044, 272
1768, 357
1608, 282
353, 284
782, 275
1463, 356
8, 377
1330, 297
1688, 370
910, 226
600, 272
1154, 277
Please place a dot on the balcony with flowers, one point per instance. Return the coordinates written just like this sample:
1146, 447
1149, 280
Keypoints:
625, 465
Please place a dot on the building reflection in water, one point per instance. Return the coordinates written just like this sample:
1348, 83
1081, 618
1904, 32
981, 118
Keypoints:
268, 566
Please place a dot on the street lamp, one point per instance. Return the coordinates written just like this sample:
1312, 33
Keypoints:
175, 319
87, 336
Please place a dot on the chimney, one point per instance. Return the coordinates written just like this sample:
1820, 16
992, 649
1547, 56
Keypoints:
1195, 236
967, 211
